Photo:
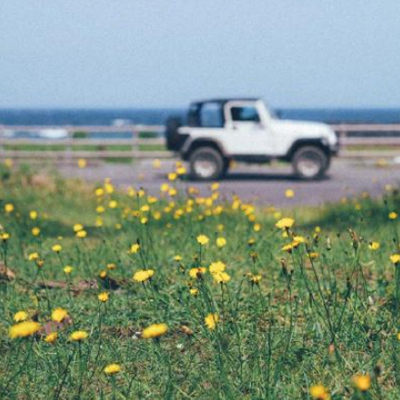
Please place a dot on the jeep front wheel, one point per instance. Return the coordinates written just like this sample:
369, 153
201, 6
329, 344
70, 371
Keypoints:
206, 163
310, 162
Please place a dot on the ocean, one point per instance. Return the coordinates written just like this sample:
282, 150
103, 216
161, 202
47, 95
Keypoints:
158, 116
121, 117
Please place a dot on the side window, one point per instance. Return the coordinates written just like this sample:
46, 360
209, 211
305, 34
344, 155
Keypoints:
245, 114
211, 116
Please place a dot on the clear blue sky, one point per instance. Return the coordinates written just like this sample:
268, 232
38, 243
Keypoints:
164, 53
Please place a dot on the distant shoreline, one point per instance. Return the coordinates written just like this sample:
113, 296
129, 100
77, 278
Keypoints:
157, 116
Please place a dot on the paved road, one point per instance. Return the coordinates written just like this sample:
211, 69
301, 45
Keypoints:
263, 184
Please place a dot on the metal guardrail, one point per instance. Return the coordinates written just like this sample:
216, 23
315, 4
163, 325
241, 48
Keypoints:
372, 140
70, 147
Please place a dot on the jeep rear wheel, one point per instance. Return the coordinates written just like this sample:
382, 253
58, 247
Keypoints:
310, 162
206, 163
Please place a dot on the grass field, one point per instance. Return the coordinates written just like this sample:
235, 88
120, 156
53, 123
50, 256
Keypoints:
116, 295
82, 147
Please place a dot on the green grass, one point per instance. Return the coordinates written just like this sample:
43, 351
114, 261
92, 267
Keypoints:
307, 321
361, 147
59, 147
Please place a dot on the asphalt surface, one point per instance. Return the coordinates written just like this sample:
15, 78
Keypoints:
262, 184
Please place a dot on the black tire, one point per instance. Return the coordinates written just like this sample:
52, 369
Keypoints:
206, 164
172, 135
310, 163
227, 163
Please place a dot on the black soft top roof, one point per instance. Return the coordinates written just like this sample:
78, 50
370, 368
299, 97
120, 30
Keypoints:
224, 100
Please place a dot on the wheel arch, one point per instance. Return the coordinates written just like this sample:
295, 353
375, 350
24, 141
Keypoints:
203, 142
316, 142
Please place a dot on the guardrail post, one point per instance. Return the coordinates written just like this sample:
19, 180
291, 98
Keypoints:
342, 133
2, 153
68, 146
135, 143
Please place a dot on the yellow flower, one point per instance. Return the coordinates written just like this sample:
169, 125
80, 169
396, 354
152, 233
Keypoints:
221, 242
68, 269
112, 369
20, 316
214, 186
257, 227
99, 192
288, 247
194, 291
143, 275
108, 187
172, 176
111, 266
197, 272
374, 246
103, 274
35, 231
81, 234
299, 239
362, 382
319, 392
51, 337
33, 256
202, 240
78, 336
145, 208
82, 163
395, 258
211, 321
393, 215
4, 236
178, 258
254, 279
164, 187
217, 267
154, 331
57, 248
181, 171
285, 223
289, 193
100, 209
59, 314
313, 255
24, 329
103, 297
135, 248
251, 241
78, 227
9, 208
33, 214
221, 277
113, 204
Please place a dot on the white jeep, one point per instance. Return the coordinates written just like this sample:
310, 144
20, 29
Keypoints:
218, 131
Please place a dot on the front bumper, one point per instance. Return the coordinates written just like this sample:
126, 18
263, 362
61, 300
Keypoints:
335, 149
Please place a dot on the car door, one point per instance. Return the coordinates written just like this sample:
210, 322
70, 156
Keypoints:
245, 133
